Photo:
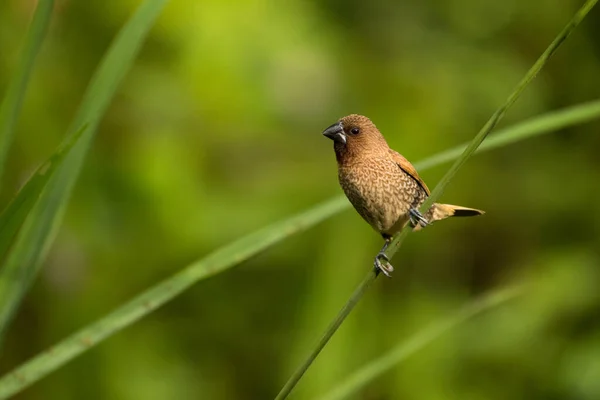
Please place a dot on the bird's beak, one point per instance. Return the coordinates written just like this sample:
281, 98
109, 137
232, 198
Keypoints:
336, 133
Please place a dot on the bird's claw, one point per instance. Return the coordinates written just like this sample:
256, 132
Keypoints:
384, 266
416, 218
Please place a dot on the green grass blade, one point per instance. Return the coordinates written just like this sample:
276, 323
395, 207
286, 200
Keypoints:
394, 245
235, 253
220, 260
115, 64
530, 128
11, 105
495, 118
14, 214
36, 236
14, 280
512, 98
405, 349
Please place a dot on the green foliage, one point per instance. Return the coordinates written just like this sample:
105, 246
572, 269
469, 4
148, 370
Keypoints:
404, 349
14, 279
11, 104
33, 240
220, 260
241, 250
498, 115
527, 129
207, 139
439, 189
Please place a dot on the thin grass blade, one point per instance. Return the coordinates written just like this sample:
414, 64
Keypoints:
36, 235
14, 279
405, 349
496, 118
438, 190
219, 261
11, 105
14, 214
229, 256
533, 127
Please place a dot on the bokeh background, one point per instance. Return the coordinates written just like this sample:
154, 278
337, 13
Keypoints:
216, 132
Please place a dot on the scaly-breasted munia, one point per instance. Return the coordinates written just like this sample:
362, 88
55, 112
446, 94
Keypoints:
381, 184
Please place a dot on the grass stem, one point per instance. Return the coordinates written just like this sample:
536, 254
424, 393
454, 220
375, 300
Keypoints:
439, 189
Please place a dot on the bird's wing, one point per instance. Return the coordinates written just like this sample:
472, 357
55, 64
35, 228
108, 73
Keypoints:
407, 167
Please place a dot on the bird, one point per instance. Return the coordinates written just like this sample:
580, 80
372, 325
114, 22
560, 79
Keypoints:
382, 185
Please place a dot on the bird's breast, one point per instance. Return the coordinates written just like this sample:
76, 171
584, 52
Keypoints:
380, 191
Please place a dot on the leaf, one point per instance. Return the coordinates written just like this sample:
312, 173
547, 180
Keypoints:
35, 237
392, 247
233, 254
14, 280
216, 262
405, 349
11, 105
14, 214
535, 126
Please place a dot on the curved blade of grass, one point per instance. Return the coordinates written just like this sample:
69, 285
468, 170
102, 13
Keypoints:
405, 349
216, 262
533, 127
235, 253
11, 105
496, 117
14, 214
36, 236
437, 191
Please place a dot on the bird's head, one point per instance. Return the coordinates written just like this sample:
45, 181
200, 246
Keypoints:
356, 136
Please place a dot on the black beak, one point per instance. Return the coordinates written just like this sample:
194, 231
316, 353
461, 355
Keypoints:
336, 133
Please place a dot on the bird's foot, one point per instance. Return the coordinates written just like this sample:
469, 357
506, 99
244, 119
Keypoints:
416, 218
384, 266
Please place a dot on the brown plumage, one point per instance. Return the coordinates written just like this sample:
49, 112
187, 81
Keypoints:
381, 184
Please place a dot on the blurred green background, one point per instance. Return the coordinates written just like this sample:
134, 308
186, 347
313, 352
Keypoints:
216, 132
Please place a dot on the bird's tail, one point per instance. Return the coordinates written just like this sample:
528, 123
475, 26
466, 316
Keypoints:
441, 211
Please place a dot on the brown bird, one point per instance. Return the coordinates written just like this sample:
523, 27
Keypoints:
381, 184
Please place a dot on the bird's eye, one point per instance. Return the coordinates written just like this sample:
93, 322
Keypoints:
355, 131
